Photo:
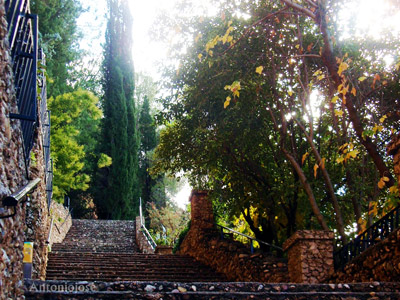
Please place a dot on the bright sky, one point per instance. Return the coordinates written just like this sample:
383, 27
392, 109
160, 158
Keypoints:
147, 53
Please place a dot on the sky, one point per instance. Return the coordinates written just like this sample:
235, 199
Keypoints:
147, 53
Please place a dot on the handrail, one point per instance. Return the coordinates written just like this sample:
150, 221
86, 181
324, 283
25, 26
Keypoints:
50, 231
249, 237
369, 237
15, 198
147, 234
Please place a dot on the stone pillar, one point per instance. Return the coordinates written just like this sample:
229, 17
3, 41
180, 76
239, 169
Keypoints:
202, 215
310, 256
394, 149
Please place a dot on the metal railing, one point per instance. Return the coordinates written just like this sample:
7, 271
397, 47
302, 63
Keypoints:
143, 228
250, 238
30, 82
23, 40
16, 198
371, 236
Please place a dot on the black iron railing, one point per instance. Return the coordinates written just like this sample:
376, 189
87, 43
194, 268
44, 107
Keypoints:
18, 197
30, 82
23, 41
373, 235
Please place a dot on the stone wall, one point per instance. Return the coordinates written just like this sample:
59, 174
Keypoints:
229, 257
62, 222
380, 262
12, 177
141, 239
37, 213
31, 221
310, 256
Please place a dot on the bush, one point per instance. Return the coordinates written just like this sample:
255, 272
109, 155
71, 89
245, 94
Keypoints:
181, 237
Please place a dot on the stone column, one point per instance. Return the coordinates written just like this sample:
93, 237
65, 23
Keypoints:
202, 215
310, 256
394, 149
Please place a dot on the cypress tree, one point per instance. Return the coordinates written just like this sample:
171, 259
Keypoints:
148, 141
120, 198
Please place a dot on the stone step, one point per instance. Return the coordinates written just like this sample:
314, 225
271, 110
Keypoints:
214, 290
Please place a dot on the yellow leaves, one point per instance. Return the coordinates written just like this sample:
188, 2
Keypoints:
377, 128
394, 190
362, 78
335, 99
227, 102
347, 152
234, 88
384, 117
353, 153
342, 67
354, 91
211, 44
297, 46
200, 56
290, 93
315, 170
305, 155
338, 113
322, 163
226, 38
382, 182
259, 69
376, 78
319, 75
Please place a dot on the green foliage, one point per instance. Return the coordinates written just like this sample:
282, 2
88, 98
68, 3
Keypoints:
252, 119
181, 237
120, 138
171, 217
73, 119
59, 39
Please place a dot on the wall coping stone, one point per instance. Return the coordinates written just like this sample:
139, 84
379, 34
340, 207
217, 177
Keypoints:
302, 235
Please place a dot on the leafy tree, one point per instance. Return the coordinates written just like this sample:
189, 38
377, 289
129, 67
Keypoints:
73, 128
171, 217
120, 137
242, 120
59, 39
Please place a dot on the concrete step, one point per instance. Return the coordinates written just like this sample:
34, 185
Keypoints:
214, 290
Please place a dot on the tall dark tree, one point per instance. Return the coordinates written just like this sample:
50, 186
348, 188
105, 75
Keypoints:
152, 186
120, 198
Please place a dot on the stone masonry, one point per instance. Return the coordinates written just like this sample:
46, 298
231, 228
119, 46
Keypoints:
203, 242
12, 177
31, 222
310, 256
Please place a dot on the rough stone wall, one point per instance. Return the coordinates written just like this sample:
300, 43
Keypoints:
229, 257
310, 256
380, 262
202, 215
12, 177
37, 214
62, 222
141, 239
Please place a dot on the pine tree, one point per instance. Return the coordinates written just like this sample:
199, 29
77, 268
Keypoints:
119, 199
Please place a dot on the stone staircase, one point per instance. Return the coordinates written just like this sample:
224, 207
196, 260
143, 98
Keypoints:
99, 260
102, 250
